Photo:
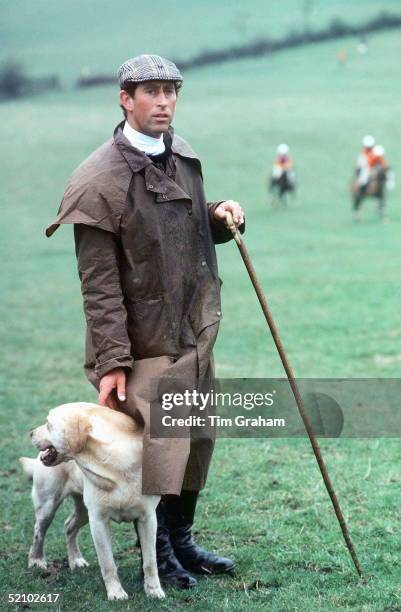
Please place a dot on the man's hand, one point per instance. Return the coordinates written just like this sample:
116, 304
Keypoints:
115, 379
234, 208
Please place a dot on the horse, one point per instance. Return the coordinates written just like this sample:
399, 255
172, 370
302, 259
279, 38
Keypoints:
374, 188
281, 185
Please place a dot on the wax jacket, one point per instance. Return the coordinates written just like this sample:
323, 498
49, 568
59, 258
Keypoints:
145, 249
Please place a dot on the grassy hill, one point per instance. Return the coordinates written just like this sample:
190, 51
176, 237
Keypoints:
334, 287
68, 38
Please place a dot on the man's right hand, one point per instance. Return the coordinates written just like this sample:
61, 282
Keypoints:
115, 379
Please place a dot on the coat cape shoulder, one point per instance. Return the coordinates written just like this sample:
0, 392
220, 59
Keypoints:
96, 192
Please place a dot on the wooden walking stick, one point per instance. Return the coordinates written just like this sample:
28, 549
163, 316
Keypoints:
294, 387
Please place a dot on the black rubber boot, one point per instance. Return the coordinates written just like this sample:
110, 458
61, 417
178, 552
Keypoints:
180, 512
171, 572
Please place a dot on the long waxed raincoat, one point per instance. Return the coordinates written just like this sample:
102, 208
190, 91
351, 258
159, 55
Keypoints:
146, 259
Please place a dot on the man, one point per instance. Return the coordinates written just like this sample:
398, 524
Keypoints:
282, 177
364, 161
373, 177
144, 239
377, 160
283, 161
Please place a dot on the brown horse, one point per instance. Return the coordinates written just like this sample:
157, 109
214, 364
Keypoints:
281, 186
374, 188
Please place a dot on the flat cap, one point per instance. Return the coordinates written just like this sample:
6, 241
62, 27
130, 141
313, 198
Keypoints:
148, 68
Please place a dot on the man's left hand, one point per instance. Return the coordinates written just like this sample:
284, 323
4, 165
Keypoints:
234, 208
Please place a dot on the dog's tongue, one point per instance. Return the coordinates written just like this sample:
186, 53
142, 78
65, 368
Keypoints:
48, 456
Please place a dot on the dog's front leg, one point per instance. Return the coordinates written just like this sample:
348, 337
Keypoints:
147, 527
100, 530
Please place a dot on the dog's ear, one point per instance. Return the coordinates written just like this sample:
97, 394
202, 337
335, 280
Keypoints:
77, 430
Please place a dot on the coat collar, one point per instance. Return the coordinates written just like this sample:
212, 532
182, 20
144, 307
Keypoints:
137, 160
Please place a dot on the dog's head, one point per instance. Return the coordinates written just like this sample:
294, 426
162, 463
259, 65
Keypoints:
65, 433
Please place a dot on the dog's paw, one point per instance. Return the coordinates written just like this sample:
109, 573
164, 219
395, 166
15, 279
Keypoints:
37, 562
154, 590
116, 592
77, 563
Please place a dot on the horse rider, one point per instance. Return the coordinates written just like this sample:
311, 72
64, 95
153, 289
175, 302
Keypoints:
282, 162
373, 176
282, 178
377, 159
364, 161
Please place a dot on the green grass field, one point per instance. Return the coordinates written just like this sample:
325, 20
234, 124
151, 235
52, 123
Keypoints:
334, 288
68, 38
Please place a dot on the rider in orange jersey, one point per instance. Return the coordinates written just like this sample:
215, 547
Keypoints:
364, 161
376, 158
283, 161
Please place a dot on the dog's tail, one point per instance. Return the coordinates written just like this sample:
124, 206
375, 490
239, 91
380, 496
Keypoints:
28, 465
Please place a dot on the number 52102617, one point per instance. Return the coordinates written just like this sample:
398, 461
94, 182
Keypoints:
33, 597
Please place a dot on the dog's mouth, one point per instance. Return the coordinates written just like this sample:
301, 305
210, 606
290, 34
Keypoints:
49, 456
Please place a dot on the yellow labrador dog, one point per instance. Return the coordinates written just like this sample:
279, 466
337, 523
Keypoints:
104, 480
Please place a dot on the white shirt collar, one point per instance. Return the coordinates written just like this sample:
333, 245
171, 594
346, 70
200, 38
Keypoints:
146, 144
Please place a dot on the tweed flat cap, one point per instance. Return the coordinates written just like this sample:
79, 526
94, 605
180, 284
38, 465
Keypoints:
148, 68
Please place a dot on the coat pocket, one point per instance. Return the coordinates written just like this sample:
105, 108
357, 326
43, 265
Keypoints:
149, 329
142, 279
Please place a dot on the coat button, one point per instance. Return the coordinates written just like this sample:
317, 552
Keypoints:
150, 186
203, 263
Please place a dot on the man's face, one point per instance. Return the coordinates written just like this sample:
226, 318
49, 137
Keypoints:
151, 109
